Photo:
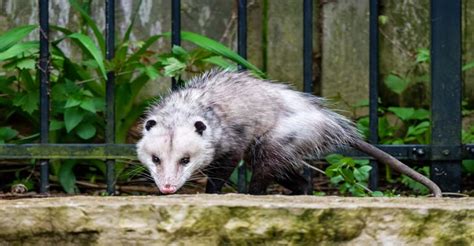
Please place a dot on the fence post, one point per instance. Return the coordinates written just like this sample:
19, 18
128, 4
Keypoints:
373, 87
175, 32
308, 71
110, 91
44, 89
446, 94
242, 50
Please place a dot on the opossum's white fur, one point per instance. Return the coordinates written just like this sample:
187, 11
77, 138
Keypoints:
272, 122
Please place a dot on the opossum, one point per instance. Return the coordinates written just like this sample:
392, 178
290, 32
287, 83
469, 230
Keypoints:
222, 117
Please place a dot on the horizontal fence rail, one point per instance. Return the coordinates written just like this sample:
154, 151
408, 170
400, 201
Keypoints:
416, 152
445, 154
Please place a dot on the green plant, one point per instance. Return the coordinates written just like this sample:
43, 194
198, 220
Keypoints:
78, 85
398, 125
348, 174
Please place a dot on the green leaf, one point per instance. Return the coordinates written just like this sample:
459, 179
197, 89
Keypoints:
347, 175
423, 55
412, 184
72, 102
86, 131
421, 114
334, 158
66, 176
418, 129
179, 52
221, 62
92, 49
468, 166
402, 113
362, 162
219, 49
99, 104
377, 194
337, 179
19, 49
27, 102
468, 66
361, 103
72, 118
91, 23
365, 169
173, 67
89, 105
363, 125
28, 81
362, 173
151, 72
383, 19
396, 84
11, 37
56, 125
7, 133
26, 64
91, 63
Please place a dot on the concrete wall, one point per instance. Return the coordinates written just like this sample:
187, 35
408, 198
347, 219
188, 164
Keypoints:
343, 70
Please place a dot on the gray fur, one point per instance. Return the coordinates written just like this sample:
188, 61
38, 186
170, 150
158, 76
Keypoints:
256, 119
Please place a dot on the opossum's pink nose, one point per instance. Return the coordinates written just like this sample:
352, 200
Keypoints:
167, 189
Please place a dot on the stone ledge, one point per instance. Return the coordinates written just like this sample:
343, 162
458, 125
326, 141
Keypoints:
237, 220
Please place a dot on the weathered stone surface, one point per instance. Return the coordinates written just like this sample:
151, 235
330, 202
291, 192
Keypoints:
345, 54
468, 49
236, 220
406, 30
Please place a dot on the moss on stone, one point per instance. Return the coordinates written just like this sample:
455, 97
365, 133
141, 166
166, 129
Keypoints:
236, 220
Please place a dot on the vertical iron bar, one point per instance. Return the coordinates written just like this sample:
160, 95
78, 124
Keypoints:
44, 89
110, 91
308, 69
175, 32
242, 50
374, 87
446, 92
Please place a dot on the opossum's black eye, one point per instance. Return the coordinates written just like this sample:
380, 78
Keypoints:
184, 161
200, 127
155, 159
149, 124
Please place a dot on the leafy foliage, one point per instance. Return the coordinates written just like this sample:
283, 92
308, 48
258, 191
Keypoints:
348, 174
78, 85
397, 125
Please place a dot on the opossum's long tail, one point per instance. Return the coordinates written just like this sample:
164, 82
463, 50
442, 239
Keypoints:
397, 166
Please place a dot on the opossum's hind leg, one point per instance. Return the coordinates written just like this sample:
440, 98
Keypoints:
293, 181
219, 171
259, 181
265, 162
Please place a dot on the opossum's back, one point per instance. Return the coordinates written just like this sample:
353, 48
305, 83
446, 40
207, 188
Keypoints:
239, 97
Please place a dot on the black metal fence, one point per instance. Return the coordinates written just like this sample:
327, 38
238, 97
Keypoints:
445, 152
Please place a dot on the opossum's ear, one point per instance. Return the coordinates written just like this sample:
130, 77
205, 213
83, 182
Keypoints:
149, 124
200, 127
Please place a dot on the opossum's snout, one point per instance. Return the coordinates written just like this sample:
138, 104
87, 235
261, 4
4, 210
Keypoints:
168, 189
